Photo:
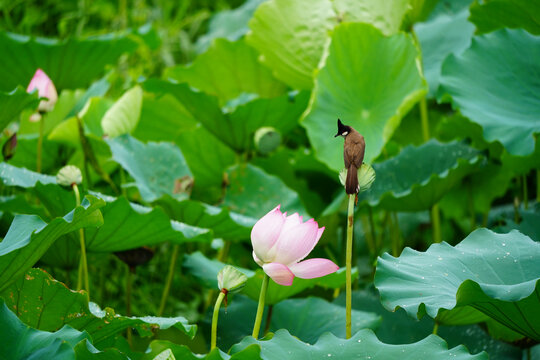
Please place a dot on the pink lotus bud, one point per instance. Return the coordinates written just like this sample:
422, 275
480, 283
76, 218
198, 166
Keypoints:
45, 88
280, 242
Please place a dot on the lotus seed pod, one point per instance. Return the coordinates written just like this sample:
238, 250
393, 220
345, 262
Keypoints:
366, 176
69, 175
231, 279
267, 139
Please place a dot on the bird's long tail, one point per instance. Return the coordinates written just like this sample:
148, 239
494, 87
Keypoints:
351, 183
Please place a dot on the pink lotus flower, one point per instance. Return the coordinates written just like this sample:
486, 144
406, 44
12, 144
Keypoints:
280, 242
45, 88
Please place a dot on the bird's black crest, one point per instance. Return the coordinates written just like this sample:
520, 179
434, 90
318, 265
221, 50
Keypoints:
341, 128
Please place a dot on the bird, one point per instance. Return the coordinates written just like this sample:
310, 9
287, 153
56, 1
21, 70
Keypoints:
353, 155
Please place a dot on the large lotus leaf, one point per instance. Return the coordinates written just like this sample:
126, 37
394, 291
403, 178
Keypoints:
253, 192
295, 315
128, 226
494, 273
71, 63
223, 223
15, 176
505, 105
12, 103
84, 350
47, 304
385, 15
22, 342
29, 237
399, 328
418, 177
495, 14
206, 270
363, 344
226, 70
291, 36
183, 352
439, 37
157, 168
228, 24
387, 84
123, 116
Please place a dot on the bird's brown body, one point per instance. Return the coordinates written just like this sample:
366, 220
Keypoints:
353, 155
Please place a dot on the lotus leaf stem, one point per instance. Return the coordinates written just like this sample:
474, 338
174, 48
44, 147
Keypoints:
83, 268
260, 307
168, 282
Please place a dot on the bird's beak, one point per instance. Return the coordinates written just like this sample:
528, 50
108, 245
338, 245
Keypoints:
336, 135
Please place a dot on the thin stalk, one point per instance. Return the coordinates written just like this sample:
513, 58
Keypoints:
268, 319
348, 264
538, 186
436, 223
260, 307
424, 118
396, 238
220, 298
128, 303
435, 328
224, 252
170, 276
525, 192
40, 144
83, 263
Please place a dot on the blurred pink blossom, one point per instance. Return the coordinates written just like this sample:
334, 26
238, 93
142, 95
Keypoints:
46, 89
280, 242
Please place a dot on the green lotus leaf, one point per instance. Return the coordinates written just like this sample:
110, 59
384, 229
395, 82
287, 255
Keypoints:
158, 168
418, 177
223, 223
84, 350
183, 352
22, 177
385, 16
295, 315
291, 36
388, 85
71, 63
122, 117
128, 226
226, 70
29, 237
506, 110
228, 24
206, 270
439, 37
47, 304
496, 274
254, 193
12, 103
364, 343
495, 14
27, 343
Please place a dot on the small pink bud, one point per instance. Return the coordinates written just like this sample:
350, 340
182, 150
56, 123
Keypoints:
45, 88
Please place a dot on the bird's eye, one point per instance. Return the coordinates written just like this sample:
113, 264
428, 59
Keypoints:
344, 133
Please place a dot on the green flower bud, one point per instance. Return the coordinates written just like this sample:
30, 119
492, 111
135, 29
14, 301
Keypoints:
267, 139
231, 279
69, 175
366, 176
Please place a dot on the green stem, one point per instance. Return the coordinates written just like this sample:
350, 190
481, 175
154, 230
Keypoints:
538, 186
396, 238
128, 303
268, 319
260, 307
170, 276
348, 261
525, 192
220, 298
435, 328
224, 252
83, 264
424, 118
40, 144
436, 223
